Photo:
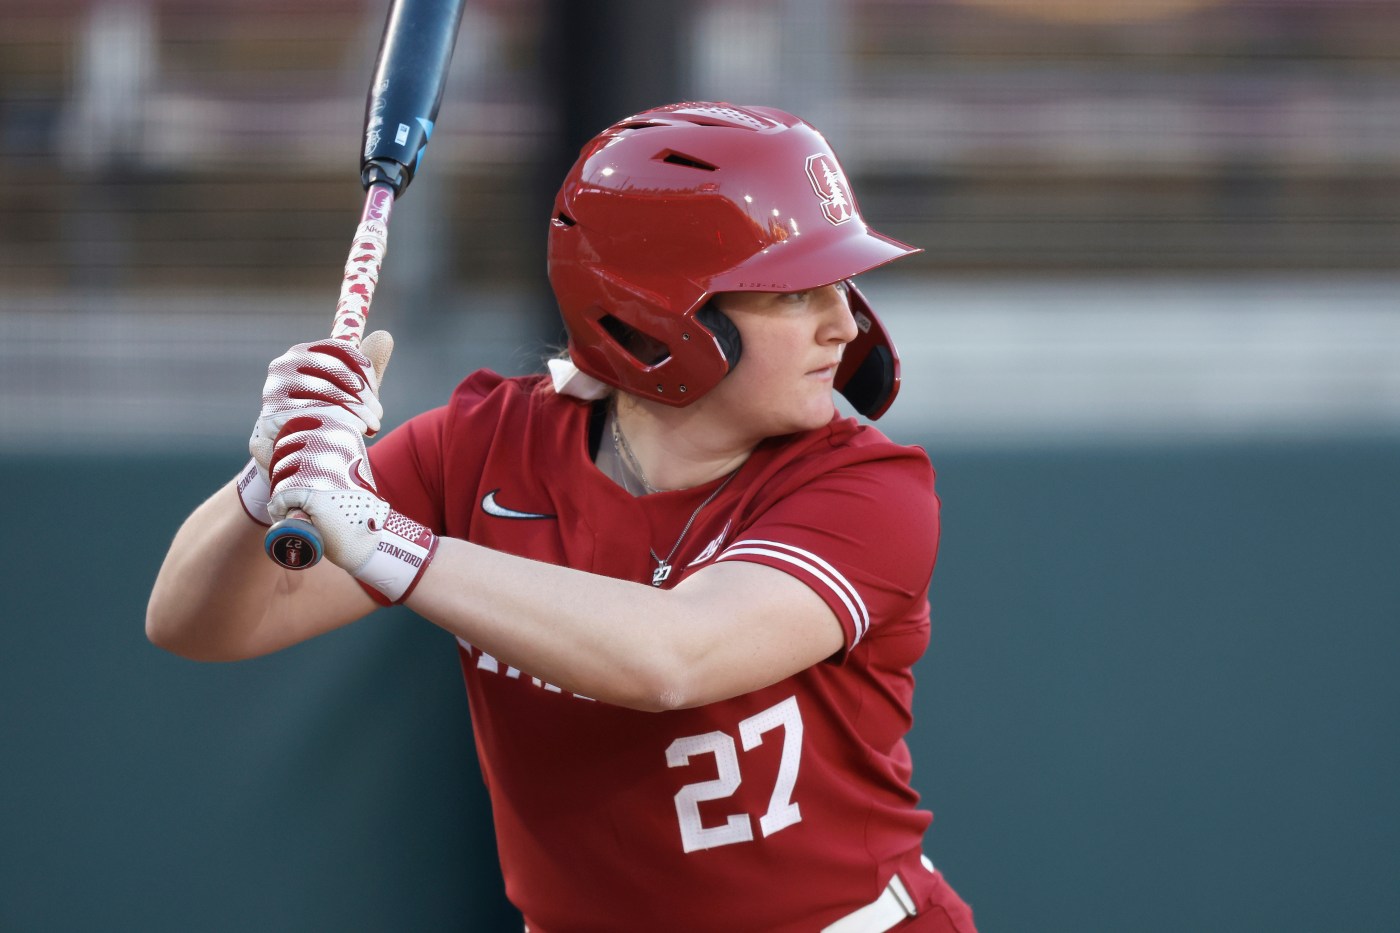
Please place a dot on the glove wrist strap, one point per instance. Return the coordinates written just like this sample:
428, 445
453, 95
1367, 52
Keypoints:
254, 492
404, 551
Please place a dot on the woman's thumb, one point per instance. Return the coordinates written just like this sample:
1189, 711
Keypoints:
378, 347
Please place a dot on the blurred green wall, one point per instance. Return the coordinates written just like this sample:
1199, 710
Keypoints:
1161, 697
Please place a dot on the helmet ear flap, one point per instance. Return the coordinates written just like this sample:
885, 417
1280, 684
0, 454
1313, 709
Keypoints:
869, 372
868, 376
871, 386
715, 321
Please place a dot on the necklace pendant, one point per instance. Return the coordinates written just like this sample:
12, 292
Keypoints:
659, 575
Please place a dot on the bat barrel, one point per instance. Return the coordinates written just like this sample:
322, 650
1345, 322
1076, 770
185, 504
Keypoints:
410, 76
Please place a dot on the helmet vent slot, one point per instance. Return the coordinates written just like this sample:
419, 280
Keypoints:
639, 125
645, 350
564, 220
676, 158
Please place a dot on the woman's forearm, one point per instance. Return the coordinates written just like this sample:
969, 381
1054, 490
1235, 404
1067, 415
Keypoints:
218, 597
726, 630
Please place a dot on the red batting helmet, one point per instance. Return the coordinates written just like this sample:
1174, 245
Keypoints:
669, 207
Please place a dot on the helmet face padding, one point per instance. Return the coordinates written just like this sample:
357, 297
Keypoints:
668, 208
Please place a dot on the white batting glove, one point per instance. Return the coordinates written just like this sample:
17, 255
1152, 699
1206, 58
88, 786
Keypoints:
319, 467
254, 491
307, 379
320, 379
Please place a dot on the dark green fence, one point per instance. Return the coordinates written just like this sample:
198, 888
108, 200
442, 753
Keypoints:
1161, 697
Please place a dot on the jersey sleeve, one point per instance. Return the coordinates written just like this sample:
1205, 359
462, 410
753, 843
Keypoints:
864, 537
410, 462
407, 464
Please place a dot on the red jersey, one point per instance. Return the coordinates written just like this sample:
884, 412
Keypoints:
782, 809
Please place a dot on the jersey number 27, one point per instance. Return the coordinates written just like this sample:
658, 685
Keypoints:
738, 827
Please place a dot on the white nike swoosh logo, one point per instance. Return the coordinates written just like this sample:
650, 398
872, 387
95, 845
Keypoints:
491, 507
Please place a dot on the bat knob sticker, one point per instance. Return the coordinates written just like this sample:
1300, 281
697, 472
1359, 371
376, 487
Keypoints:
294, 543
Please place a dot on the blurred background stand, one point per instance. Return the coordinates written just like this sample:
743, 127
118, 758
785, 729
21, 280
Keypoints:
99, 138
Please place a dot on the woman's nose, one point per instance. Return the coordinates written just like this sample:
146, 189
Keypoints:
840, 324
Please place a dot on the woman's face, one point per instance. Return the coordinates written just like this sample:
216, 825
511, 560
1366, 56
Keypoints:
792, 343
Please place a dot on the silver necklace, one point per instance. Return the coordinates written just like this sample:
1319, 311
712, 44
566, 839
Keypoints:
630, 463
663, 567
629, 460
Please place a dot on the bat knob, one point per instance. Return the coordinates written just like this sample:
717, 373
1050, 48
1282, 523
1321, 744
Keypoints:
294, 544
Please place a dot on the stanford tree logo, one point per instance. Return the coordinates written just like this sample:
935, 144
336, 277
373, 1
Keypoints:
830, 185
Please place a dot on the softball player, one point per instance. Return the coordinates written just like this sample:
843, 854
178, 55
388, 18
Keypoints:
687, 594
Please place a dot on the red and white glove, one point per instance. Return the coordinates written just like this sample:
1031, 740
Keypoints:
320, 467
318, 378
312, 379
320, 402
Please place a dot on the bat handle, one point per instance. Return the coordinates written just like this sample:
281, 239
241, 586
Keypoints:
294, 543
362, 266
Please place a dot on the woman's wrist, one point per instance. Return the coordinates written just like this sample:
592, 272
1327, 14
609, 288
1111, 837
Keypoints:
254, 491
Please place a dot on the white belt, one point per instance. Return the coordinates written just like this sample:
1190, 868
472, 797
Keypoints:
893, 906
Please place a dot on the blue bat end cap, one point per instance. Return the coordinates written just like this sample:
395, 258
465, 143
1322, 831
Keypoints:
294, 544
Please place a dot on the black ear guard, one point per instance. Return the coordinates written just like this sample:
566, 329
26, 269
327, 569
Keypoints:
869, 372
724, 330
